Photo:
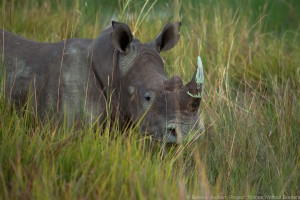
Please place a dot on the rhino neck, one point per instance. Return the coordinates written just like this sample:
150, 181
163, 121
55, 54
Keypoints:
101, 54
103, 58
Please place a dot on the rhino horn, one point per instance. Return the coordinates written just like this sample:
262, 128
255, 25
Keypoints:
191, 94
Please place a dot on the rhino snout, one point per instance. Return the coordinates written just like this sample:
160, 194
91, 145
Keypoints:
173, 134
176, 133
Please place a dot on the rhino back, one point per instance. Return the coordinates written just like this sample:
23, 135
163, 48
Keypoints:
27, 64
55, 74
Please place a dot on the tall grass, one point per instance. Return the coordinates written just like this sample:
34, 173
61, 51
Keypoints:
251, 106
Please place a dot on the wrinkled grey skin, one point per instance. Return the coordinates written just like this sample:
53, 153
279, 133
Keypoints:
84, 77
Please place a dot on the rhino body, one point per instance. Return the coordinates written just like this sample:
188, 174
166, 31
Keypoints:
113, 75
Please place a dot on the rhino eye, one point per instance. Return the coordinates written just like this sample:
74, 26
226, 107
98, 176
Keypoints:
147, 97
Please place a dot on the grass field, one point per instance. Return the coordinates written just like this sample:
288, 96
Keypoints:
251, 106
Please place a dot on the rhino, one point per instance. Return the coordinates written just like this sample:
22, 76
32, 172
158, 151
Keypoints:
113, 76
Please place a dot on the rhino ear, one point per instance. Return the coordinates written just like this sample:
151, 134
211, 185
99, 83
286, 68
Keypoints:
168, 38
121, 36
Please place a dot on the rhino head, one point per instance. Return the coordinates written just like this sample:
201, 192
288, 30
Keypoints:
164, 108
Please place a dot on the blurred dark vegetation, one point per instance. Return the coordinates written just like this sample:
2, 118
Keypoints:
279, 15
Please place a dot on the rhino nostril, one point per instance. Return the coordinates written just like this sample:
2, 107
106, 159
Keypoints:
172, 132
